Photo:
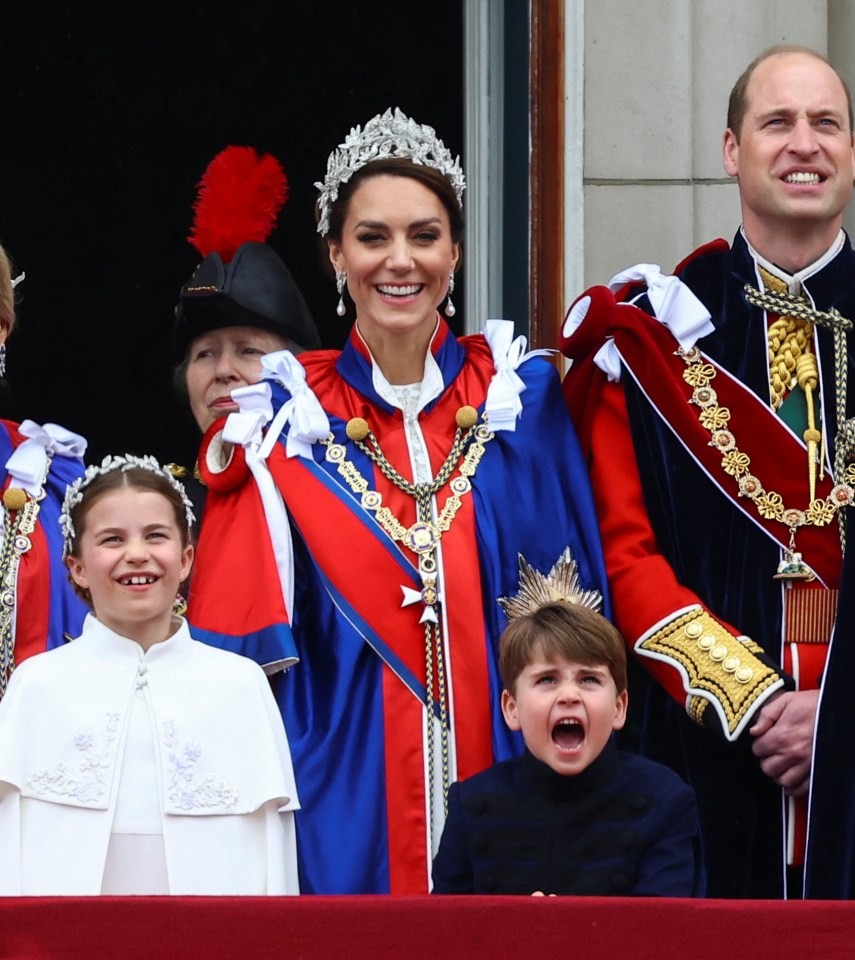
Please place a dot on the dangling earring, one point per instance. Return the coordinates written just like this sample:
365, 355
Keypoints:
179, 606
340, 281
2, 359
450, 309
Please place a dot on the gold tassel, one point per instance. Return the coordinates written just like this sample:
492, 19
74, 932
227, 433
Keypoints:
808, 378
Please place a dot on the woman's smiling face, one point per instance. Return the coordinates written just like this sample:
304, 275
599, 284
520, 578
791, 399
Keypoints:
397, 250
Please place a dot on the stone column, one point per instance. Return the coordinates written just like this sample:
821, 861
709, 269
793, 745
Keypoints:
657, 75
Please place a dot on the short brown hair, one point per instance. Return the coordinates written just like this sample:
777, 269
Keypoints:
561, 631
738, 102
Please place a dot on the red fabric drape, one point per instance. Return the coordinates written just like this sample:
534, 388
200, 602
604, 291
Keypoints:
421, 928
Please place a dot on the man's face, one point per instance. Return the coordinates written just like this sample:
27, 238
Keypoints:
794, 157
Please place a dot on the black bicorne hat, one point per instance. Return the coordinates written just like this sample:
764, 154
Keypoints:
255, 289
241, 281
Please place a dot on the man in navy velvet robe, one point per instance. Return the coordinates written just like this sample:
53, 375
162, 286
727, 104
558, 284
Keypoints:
722, 456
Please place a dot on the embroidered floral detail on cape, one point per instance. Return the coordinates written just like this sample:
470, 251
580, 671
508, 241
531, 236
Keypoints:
89, 783
186, 791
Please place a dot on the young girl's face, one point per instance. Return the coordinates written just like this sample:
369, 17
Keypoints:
131, 558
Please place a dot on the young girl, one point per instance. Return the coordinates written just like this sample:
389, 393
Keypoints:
135, 759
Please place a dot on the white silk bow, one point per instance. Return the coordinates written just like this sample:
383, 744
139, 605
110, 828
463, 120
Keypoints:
28, 464
304, 414
673, 302
674, 305
503, 405
245, 427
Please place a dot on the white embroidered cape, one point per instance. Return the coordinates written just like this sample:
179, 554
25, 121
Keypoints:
223, 767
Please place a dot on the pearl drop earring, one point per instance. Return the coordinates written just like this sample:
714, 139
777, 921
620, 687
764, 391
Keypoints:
450, 309
340, 281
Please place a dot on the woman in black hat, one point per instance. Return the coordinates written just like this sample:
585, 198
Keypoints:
228, 317
241, 301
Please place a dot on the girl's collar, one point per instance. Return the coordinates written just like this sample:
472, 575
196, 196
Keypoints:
109, 645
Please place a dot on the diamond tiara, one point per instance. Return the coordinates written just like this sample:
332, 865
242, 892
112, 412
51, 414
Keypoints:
74, 491
391, 134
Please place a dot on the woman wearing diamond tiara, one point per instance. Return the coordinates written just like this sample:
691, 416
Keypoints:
377, 502
36, 463
135, 760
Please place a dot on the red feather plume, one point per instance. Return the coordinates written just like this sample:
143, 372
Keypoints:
240, 196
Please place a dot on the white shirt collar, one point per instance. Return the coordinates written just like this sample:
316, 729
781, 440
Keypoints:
431, 385
794, 281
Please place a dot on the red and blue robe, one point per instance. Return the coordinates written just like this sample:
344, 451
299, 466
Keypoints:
46, 607
354, 705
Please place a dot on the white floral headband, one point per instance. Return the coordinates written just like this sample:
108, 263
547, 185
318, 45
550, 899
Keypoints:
74, 492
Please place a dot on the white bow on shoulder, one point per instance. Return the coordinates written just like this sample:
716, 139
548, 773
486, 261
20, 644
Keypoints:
28, 465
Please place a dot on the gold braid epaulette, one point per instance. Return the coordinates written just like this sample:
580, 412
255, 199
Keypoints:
720, 667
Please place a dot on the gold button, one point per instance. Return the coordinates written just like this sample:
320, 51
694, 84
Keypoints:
14, 498
693, 630
731, 664
744, 674
466, 417
706, 642
718, 653
357, 428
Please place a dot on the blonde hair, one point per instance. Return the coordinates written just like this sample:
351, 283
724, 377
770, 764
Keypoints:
7, 294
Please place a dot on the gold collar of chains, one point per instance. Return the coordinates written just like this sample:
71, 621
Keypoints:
424, 535
769, 504
21, 512
423, 538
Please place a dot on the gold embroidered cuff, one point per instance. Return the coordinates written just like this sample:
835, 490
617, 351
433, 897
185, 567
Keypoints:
720, 669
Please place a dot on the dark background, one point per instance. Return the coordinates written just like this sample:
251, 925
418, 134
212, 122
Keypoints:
111, 115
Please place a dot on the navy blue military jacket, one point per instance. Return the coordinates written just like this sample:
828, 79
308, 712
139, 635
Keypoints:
625, 826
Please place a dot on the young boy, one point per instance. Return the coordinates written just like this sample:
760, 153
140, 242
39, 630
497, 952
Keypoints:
573, 815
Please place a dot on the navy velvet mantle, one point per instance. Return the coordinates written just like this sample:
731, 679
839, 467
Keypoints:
719, 553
